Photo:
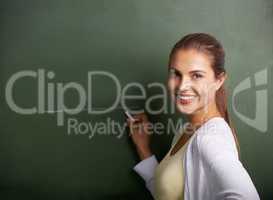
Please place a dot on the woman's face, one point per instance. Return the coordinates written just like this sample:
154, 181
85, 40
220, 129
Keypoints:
192, 83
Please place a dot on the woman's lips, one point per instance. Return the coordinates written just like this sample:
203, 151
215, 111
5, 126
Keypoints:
185, 99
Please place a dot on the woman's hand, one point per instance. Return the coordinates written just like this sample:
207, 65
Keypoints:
140, 135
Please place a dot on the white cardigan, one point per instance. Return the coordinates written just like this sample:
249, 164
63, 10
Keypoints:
212, 169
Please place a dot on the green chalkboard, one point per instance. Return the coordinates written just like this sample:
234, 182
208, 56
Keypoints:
54, 44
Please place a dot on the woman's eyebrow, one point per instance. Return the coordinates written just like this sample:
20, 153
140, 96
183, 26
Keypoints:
191, 72
197, 71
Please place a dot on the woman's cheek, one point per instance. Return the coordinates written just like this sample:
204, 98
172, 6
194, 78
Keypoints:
202, 92
207, 93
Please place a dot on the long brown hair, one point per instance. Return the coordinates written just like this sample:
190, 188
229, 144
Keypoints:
209, 45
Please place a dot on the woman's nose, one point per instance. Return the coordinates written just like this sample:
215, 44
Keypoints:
184, 84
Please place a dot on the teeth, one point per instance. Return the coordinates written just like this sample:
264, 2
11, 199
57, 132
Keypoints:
185, 97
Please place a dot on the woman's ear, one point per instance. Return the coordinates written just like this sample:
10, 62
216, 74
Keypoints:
220, 80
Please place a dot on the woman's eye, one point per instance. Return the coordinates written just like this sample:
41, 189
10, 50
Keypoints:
197, 76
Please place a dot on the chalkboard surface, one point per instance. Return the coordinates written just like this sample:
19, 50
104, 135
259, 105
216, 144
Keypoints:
51, 44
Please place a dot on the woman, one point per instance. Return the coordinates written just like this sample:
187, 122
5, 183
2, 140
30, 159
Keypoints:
202, 164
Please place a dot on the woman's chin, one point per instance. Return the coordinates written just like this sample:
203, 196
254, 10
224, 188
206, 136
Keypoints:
187, 110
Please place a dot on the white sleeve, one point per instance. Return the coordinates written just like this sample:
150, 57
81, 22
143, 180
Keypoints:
146, 169
229, 178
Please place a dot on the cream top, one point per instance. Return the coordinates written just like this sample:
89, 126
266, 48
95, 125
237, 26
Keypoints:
169, 176
212, 169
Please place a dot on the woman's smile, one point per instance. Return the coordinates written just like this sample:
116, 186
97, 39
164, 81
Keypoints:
185, 99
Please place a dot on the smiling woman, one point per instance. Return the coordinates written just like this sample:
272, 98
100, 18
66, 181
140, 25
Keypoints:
203, 164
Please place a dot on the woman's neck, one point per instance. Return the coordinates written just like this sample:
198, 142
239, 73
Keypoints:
197, 119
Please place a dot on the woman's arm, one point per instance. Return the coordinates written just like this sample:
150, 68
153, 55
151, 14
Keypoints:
146, 169
140, 135
229, 178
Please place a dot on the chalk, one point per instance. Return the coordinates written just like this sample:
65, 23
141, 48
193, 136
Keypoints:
129, 116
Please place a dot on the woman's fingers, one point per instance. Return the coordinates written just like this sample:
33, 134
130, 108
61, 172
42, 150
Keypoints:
131, 125
140, 117
135, 126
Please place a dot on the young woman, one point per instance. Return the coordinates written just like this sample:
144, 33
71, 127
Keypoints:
202, 164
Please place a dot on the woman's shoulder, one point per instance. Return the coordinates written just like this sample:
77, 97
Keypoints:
216, 127
213, 127
215, 138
